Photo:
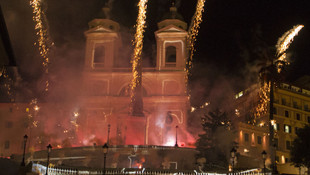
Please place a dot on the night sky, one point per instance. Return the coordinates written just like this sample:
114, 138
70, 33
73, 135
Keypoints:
232, 34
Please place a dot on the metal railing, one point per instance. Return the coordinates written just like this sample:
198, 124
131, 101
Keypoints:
41, 170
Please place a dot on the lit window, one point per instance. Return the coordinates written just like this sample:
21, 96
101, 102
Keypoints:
276, 126
282, 159
287, 129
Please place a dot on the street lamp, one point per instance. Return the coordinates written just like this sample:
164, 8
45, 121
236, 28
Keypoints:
49, 148
108, 134
233, 155
105, 151
176, 136
25, 142
264, 155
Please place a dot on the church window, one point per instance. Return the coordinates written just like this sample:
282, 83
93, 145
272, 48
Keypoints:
99, 55
171, 56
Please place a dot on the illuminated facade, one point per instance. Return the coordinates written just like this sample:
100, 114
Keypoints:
106, 98
291, 112
102, 110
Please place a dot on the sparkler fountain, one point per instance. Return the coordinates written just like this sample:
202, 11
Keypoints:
44, 43
136, 84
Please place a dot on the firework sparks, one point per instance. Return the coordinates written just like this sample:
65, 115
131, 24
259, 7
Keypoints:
74, 120
42, 33
261, 108
284, 43
8, 84
193, 33
138, 43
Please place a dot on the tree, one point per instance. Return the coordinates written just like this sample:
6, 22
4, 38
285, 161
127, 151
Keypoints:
216, 141
300, 152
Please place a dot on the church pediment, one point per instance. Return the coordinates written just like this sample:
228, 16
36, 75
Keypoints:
170, 28
99, 29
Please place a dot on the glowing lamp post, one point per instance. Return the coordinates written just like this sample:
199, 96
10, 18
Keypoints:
105, 151
49, 148
264, 155
233, 155
25, 142
176, 136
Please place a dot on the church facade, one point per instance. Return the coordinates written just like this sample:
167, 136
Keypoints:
106, 102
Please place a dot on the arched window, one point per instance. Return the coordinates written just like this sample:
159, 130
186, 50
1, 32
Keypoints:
99, 55
171, 56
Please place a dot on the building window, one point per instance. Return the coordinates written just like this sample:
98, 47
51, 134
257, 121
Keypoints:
246, 137
99, 55
286, 160
171, 56
287, 129
274, 110
306, 108
283, 101
259, 140
286, 113
295, 105
288, 145
276, 126
297, 116
277, 158
7, 144
308, 119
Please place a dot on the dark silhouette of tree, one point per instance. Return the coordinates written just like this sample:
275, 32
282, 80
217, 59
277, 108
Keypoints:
300, 152
216, 141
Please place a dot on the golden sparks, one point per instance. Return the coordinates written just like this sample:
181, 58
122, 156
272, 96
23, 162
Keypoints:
192, 37
283, 44
138, 43
74, 120
8, 83
42, 34
261, 108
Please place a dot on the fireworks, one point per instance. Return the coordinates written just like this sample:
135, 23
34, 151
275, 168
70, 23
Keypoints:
138, 43
284, 43
193, 32
261, 108
42, 33
74, 120
8, 84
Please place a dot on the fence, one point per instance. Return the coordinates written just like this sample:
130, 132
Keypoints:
41, 170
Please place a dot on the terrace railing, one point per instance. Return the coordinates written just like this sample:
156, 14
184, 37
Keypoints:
41, 170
